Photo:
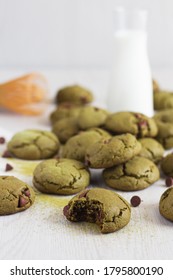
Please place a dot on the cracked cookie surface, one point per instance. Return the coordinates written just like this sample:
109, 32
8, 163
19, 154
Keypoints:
33, 144
136, 174
151, 149
106, 208
61, 176
164, 121
134, 123
76, 146
15, 195
112, 151
166, 204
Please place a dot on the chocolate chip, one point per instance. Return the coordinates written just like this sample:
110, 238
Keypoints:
65, 210
83, 194
26, 192
6, 154
8, 167
169, 181
142, 123
135, 201
22, 201
2, 140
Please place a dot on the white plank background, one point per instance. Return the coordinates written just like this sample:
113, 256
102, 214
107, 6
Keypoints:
42, 232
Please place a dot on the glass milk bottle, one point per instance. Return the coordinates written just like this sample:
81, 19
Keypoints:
131, 80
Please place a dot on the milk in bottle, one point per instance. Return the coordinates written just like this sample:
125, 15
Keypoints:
131, 80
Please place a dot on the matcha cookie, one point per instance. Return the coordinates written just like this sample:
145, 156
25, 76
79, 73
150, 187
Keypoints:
74, 94
136, 174
164, 121
65, 111
151, 149
163, 100
65, 128
15, 195
112, 151
106, 208
166, 204
156, 86
61, 176
90, 116
134, 123
33, 144
76, 146
167, 165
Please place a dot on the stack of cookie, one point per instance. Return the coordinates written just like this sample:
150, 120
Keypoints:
122, 145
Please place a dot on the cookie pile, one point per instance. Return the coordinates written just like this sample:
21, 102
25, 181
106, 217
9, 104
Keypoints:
127, 147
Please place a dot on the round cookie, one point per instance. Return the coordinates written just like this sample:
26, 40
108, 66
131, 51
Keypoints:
33, 144
156, 86
15, 195
76, 146
166, 204
136, 174
112, 151
106, 208
163, 100
167, 165
61, 176
90, 116
74, 94
65, 110
151, 149
65, 128
164, 121
134, 123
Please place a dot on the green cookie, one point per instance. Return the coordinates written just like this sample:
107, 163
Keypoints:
74, 94
65, 128
90, 116
106, 208
134, 123
76, 146
167, 165
61, 176
151, 149
65, 110
15, 195
164, 121
112, 151
33, 144
166, 204
135, 174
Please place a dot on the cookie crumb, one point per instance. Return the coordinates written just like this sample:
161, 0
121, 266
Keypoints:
135, 201
8, 167
2, 140
169, 181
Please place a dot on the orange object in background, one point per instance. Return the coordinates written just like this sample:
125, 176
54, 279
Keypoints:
25, 95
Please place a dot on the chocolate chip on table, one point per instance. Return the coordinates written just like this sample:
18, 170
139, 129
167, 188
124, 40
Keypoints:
8, 167
6, 154
169, 181
2, 140
135, 201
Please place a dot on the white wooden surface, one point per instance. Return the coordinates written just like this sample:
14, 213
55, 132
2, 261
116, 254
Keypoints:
42, 232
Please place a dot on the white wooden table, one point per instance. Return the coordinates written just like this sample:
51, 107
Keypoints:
42, 232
